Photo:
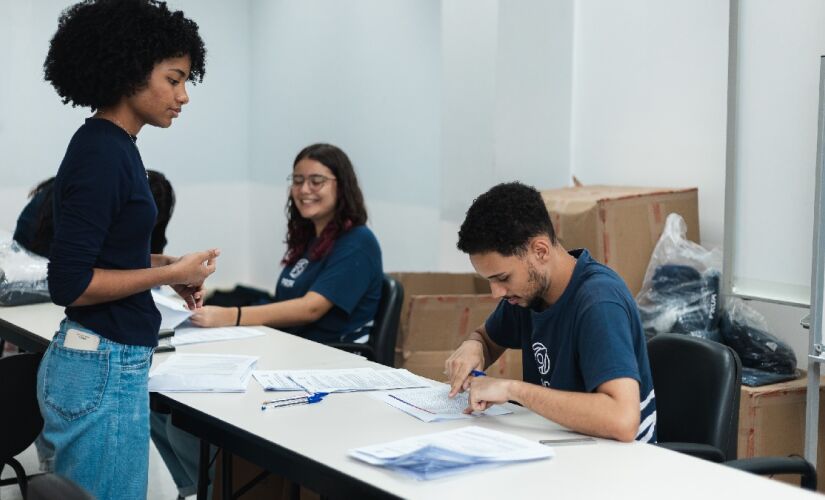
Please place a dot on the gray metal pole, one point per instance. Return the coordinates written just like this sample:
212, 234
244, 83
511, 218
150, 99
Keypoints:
817, 281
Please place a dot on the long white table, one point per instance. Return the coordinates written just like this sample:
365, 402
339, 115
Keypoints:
308, 443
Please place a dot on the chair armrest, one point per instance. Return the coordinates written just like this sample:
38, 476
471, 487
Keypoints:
364, 350
698, 450
767, 466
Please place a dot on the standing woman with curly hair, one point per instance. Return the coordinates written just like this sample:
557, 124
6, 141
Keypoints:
128, 61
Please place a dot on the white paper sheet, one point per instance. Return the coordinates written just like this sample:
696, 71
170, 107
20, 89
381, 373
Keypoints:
276, 380
195, 335
433, 404
458, 450
355, 379
172, 311
202, 373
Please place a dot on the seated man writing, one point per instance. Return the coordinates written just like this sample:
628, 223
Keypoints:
583, 348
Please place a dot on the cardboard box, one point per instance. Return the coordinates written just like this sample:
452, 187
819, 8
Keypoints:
439, 312
772, 423
619, 225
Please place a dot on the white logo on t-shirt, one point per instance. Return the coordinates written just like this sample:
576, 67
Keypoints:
300, 266
542, 358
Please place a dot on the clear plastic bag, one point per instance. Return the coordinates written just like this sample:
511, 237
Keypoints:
765, 358
22, 275
680, 292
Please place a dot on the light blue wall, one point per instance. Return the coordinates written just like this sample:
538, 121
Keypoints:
362, 75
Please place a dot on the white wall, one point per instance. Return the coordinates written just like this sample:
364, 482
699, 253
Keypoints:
649, 98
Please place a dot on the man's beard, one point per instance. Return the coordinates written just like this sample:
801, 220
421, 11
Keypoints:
537, 300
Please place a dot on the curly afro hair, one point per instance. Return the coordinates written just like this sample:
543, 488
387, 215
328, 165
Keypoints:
504, 219
104, 50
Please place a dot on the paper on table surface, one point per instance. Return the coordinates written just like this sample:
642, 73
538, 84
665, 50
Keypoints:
172, 312
433, 404
195, 335
355, 379
276, 380
450, 452
202, 373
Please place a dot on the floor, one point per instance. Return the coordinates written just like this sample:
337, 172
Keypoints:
161, 486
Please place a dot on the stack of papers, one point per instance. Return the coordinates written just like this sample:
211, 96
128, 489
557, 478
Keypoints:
445, 453
202, 373
196, 335
339, 380
433, 404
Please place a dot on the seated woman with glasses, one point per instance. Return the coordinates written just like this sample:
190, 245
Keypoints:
328, 290
330, 286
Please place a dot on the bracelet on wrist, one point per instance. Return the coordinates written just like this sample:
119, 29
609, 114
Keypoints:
238, 318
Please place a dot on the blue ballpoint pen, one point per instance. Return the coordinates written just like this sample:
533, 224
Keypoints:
300, 400
478, 373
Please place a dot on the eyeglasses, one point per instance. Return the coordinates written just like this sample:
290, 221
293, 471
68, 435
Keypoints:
315, 180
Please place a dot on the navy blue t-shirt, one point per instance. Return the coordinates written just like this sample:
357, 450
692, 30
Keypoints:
591, 335
103, 218
350, 277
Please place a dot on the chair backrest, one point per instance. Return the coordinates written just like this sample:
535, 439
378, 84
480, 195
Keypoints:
20, 417
385, 330
697, 385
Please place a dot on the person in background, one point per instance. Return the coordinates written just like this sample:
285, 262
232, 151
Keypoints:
129, 62
35, 225
328, 290
583, 348
330, 286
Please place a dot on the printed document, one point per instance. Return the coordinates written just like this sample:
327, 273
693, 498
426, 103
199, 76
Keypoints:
276, 380
202, 373
355, 379
172, 311
433, 404
444, 453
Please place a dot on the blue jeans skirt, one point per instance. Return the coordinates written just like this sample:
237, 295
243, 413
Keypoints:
95, 407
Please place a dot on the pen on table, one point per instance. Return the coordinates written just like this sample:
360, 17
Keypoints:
299, 400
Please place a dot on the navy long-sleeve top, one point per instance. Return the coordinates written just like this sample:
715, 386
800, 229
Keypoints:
103, 218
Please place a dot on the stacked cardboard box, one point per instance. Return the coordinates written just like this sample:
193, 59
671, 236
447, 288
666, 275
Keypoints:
772, 424
619, 225
439, 312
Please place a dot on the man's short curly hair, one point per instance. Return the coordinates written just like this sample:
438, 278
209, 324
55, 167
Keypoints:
104, 50
504, 219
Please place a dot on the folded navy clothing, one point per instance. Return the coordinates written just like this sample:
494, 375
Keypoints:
756, 348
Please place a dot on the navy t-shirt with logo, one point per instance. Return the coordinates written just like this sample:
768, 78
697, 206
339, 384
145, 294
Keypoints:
350, 277
591, 335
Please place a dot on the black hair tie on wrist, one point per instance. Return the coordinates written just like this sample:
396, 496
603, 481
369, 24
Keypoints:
238, 320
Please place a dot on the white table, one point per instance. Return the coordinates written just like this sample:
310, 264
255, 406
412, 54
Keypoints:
308, 443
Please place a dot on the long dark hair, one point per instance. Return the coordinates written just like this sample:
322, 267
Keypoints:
162, 192
349, 207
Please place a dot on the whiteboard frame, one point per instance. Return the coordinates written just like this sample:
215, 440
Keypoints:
786, 294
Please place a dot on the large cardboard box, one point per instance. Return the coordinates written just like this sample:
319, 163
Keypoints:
619, 225
439, 312
772, 423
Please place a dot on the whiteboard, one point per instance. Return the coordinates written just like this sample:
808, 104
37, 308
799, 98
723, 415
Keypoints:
772, 143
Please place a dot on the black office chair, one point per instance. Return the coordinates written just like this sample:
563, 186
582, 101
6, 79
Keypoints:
20, 420
381, 345
51, 486
698, 384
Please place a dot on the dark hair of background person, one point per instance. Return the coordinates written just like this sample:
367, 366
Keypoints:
95, 59
349, 207
504, 219
162, 192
